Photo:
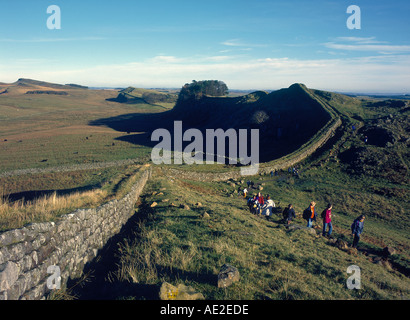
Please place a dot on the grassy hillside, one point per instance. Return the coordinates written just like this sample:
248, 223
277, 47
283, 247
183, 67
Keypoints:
197, 227
175, 240
133, 95
179, 244
50, 132
43, 130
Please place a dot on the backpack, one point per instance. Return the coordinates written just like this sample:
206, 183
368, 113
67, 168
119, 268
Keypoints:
353, 226
323, 214
285, 213
306, 214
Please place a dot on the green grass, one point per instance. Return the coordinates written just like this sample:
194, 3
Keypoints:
179, 246
57, 129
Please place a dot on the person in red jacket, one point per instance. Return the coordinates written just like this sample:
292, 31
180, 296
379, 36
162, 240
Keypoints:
260, 199
327, 220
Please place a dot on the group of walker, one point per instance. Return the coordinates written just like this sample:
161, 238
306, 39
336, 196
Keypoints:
310, 215
258, 205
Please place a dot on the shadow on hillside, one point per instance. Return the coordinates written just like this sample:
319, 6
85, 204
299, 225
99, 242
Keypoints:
283, 121
101, 282
96, 285
138, 128
135, 122
32, 195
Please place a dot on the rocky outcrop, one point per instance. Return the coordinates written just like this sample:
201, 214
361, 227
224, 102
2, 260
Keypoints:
180, 292
58, 93
227, 276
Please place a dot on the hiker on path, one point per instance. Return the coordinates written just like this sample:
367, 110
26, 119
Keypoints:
253, 205
251, 202
357, 229
260, 199
327, 220
309, 214
289, 214
256, 207
245, 192
268, 206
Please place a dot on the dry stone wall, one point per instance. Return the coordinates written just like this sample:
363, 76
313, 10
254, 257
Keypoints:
69, 243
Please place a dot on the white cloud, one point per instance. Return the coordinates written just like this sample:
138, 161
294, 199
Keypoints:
390, 73
240, 43
368, 40
166, 59
369, 44
218, 58
383, 49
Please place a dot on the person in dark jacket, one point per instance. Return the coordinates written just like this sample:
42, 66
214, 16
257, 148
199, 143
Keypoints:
311, 216
289, 214
357, 229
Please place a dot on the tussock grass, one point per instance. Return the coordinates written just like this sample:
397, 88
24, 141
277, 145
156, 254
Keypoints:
15, 214
47, 208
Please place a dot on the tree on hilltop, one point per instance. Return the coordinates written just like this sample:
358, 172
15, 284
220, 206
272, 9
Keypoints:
198, 89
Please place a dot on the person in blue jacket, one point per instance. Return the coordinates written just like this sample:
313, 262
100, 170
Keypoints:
357, 229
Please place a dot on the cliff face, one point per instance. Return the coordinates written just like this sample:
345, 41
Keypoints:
286, 118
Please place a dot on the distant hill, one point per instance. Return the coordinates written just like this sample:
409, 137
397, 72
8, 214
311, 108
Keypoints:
29, 83
73, 85
36, 87
133, 95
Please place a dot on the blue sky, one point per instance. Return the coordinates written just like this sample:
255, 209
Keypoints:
257, 44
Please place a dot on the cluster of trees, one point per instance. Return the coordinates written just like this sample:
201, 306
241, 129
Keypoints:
198, 89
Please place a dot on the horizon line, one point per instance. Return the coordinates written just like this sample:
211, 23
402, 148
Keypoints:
116, 87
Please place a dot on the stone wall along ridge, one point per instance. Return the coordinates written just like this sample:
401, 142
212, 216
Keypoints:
69, 243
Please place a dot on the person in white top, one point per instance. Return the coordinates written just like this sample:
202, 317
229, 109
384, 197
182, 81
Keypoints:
268, 207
